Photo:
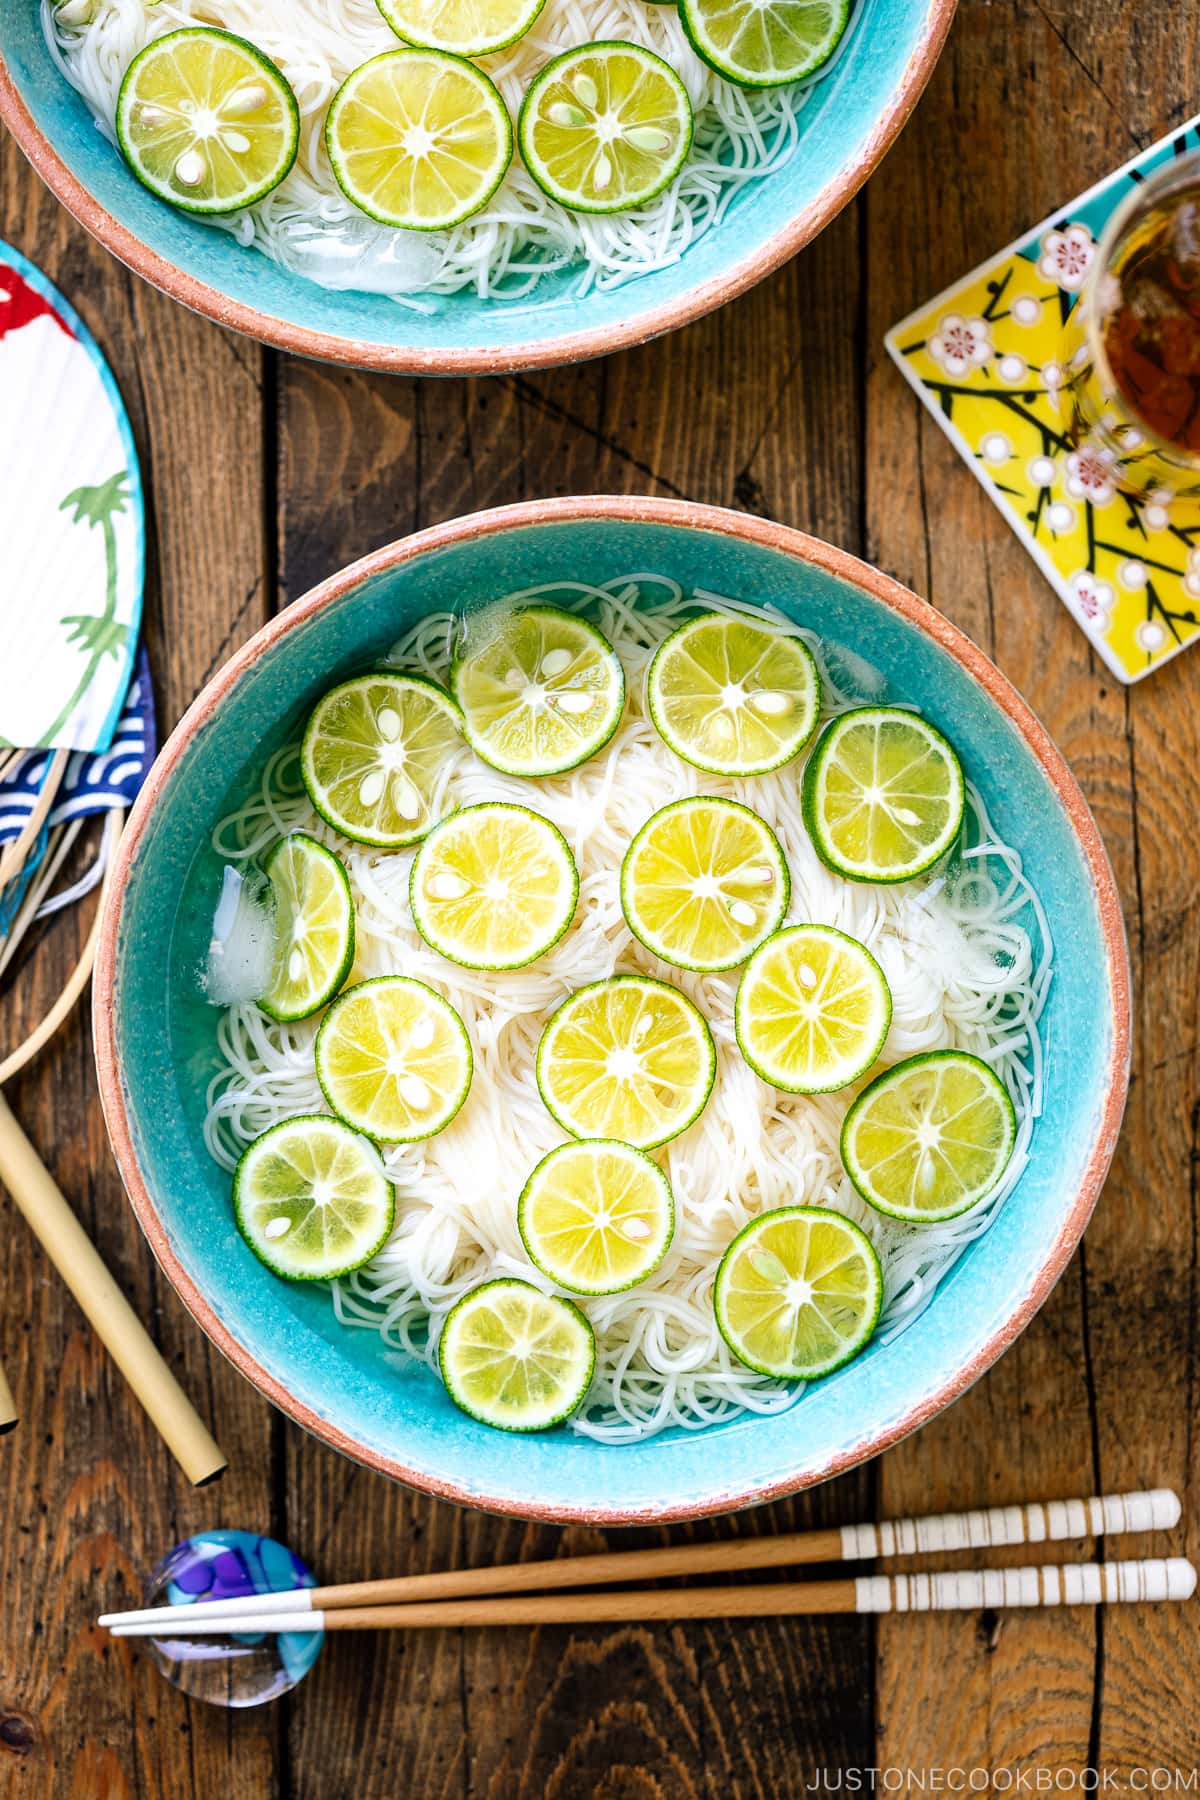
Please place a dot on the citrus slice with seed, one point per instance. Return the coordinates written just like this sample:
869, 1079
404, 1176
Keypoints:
596, 1217
493, 886
798, 1292
812, 1010
374, 757
463, 27
627, 1058
733, 697
540, 690
516, 1358
765, 43
883, 795
314, 927
311, 1199
605, 127
704, 882
418, 139
930, 1138
206, 121
394, 1059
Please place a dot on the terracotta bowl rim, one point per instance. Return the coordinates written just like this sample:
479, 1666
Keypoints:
401, 359
813, 551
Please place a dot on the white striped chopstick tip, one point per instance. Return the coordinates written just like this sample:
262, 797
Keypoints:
1036, 1522
1054, 1584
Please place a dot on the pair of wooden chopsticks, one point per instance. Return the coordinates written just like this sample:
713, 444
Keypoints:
459, 1597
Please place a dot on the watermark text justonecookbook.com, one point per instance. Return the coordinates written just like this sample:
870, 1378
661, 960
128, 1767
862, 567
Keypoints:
1040, 1779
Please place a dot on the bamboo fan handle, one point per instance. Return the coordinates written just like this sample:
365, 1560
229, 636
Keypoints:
8, 1406
114, 1320
82, 972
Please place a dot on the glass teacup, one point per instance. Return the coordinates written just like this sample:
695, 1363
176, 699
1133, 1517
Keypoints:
1131, 351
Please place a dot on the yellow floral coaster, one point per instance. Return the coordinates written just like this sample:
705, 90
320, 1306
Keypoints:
985, 359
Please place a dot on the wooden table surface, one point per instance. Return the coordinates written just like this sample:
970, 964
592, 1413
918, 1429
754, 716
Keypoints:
267, 474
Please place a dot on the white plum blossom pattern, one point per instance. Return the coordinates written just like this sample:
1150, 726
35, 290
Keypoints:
959, 344
1067, 256
1090, 598
1191, 581
990, 359
1090, 474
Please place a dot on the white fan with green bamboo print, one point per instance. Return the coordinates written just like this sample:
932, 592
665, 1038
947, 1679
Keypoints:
76, 738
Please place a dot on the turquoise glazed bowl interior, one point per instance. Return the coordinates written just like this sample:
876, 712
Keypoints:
851, 119
155, 1036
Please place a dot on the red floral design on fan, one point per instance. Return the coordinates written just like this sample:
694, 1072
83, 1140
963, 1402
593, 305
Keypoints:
21, 305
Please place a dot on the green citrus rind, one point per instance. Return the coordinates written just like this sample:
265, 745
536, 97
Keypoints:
535, 946
309, 1126
886, 1083
872, 1043
529, 121
318, 787
702, 1088
259, 68
661, 703
743, 1243
394, 13
692, 18
533, 1235
812, 796
656, 942
340, 150
338, 970
551, 1307
467, 672
359, 1119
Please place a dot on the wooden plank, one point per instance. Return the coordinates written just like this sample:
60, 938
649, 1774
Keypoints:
1095, 1393
761, 407
702, 1709
91, 1499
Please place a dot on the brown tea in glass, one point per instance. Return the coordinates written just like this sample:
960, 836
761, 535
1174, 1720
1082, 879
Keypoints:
1132, 359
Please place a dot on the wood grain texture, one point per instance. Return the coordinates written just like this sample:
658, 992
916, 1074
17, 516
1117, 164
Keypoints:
269, 475
90, 1500
1098, 1390
694, 1710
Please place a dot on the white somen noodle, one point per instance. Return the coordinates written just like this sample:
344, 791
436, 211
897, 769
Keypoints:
502, 251
966, 953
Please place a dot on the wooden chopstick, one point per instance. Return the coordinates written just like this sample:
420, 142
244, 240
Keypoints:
1070, 1584
1039, 1521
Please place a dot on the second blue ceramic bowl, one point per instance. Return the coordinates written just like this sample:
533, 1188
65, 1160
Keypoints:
155, 1036
846, 126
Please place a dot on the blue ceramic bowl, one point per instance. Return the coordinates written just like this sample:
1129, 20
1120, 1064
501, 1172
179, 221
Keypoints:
854, 115
155, 1037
